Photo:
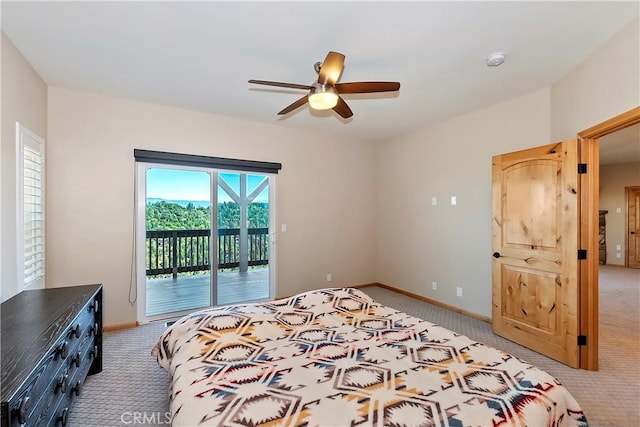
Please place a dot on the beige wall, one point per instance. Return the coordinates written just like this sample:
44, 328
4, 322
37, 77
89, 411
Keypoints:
419, 243
325, 192
603, 86
613, 180
24, 100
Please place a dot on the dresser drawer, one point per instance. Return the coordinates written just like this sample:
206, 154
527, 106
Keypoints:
67, 380
38, 386
79, 374
76, 378
54, 406
51, 398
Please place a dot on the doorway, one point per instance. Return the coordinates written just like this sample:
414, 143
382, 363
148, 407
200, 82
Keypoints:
203, 238
589, 224
619, 181
632, 229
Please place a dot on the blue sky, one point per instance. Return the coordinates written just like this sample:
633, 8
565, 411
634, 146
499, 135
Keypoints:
174, 184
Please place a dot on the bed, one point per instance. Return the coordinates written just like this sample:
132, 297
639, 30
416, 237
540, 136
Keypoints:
335, 357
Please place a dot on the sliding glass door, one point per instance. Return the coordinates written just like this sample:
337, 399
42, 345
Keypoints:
177, 240
193, 253
243, 237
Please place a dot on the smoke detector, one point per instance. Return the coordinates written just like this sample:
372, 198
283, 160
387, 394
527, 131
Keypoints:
495, 59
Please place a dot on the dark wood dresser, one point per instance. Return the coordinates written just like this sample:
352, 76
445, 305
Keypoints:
51, 340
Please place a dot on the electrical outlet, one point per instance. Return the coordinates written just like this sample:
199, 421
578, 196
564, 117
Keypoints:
329, 277
459, 292
618, 247
618, 255
434, 285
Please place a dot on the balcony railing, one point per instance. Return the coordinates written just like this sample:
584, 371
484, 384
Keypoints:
180, 251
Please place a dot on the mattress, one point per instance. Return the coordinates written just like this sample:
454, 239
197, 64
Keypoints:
335, 357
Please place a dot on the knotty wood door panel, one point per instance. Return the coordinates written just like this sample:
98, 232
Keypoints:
633, 227
535, 246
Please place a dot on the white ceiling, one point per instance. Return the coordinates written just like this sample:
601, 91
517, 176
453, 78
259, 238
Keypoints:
199, 55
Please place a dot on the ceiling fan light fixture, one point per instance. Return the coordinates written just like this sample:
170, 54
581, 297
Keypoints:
323, 97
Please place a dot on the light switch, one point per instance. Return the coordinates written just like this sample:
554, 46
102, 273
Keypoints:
453, 200
284, 227
618, 210
434, 201
618, 247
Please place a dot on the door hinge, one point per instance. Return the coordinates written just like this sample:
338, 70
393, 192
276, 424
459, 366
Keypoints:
582, 340
582, 168
582, 254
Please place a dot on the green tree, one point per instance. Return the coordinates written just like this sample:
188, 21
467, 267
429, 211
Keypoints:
165, 215
172, 216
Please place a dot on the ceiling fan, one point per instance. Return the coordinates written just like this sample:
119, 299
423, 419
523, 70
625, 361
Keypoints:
324, 94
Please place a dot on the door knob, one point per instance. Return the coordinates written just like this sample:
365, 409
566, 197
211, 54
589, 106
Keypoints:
632, 232
496, 254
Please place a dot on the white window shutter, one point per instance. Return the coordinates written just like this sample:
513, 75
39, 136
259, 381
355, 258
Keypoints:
31, 218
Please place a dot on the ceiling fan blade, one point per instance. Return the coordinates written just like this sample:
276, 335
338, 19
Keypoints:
299, 103
367, 87
280, 84
343, 109
331, 68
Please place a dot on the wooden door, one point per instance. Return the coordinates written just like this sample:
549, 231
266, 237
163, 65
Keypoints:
535, 249
633, 227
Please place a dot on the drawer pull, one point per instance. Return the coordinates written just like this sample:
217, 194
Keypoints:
75, 332
23, 410
61, 350
94, 352
64, 416
94, 329
62, 384
95, 306
76, 388
75, 360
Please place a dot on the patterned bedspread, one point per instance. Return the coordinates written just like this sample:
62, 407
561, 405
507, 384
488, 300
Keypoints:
334, 357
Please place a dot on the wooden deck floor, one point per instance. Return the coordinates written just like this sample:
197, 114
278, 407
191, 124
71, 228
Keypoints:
194, 292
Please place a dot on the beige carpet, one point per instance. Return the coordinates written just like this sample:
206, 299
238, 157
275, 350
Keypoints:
132, 389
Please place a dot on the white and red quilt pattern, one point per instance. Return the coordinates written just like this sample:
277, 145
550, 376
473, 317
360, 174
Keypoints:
334, 357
